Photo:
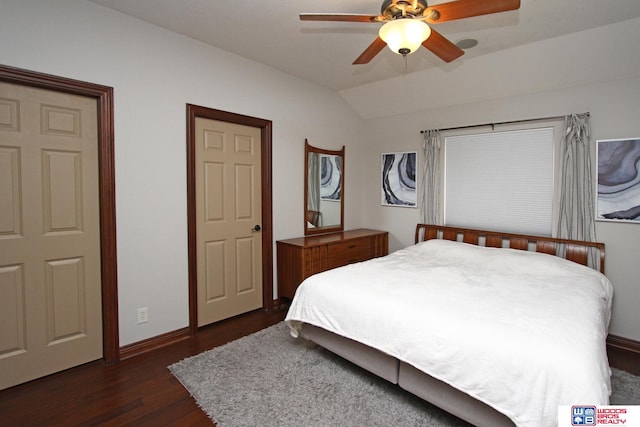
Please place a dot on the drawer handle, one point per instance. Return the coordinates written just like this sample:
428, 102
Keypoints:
352, 246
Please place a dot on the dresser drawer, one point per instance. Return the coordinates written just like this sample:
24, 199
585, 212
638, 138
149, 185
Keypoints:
348, 252
302, 257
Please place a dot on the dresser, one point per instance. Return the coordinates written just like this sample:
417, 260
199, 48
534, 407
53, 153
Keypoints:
301, 257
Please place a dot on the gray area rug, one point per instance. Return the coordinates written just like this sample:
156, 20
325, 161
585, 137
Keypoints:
272, 379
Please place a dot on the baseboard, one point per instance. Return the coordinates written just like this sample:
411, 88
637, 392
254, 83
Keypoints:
278, 304
624, 354
153, 343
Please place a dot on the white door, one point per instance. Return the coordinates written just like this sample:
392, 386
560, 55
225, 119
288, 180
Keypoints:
50, 284
228, 209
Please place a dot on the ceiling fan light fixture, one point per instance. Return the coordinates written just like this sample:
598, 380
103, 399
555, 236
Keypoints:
404, 36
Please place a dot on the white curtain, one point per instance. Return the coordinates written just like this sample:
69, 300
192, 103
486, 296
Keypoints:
430, 209
313, 191
576, 209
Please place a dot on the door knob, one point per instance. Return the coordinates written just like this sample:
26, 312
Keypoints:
256, 228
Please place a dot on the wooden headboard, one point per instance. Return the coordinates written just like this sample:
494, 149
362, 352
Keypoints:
573, 250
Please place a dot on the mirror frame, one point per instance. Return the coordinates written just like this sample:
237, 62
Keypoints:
339, 227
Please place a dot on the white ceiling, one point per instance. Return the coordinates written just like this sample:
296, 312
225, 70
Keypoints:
271, 33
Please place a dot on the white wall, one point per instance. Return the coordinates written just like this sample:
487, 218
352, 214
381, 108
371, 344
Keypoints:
155, 73
614, 103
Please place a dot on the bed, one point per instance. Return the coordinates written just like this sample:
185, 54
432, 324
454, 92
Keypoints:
495, 328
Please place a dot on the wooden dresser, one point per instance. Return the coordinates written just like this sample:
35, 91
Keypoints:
301, 257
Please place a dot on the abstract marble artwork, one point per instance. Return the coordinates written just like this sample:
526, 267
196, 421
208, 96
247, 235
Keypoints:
399, 179
618, 180
330, 177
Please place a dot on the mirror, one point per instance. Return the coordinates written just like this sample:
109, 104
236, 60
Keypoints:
323, 190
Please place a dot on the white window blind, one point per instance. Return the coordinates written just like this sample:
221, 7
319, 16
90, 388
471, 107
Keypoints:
500, 181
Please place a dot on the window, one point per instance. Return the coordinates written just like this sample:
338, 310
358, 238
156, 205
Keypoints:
500, 180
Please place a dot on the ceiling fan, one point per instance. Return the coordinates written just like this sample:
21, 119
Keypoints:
406, 28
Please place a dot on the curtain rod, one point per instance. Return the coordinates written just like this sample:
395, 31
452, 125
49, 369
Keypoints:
493, 125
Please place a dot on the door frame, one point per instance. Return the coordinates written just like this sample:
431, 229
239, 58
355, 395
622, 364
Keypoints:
265, 126
106, 171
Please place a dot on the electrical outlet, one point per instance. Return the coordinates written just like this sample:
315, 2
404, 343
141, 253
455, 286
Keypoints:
143, 315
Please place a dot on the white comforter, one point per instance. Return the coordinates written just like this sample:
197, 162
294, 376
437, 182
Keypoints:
521, 331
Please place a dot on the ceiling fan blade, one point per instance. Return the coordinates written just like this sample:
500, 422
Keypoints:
442, 47
467, 8
370, 52
340, 17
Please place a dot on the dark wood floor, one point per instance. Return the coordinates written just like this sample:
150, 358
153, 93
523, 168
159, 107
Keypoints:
136, 392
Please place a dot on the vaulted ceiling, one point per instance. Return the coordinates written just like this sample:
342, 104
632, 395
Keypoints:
270, 32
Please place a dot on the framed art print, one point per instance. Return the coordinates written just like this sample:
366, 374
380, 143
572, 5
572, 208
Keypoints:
330, 177
618, 191
398, 186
